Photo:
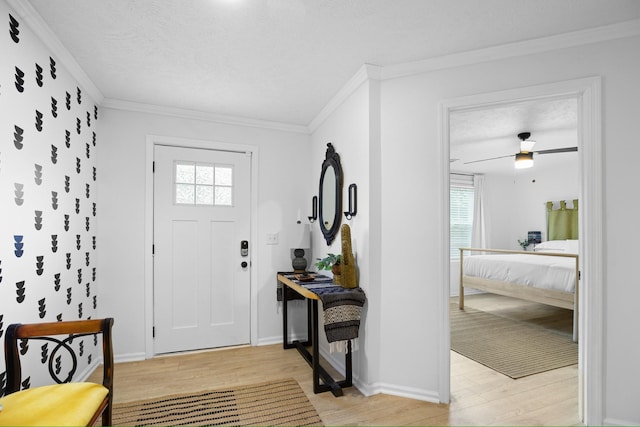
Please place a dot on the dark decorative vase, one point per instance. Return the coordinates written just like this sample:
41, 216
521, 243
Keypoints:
299, 263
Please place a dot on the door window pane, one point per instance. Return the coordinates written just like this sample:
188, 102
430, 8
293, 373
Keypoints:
184, 194
204, 195
224, 186
185, 173
203, 184
223, 196
224, 175
204, 174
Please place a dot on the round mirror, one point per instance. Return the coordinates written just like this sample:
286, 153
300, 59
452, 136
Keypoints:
330, 197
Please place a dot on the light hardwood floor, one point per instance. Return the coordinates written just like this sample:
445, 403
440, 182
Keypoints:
479, 395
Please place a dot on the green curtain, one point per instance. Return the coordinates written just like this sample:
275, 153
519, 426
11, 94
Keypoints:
562, 223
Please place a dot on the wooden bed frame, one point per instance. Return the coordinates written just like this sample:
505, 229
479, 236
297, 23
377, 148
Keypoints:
544, 296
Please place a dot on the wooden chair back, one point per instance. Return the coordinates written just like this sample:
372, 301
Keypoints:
47, 332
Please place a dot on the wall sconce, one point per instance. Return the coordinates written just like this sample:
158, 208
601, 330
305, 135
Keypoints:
314, 209
353, 202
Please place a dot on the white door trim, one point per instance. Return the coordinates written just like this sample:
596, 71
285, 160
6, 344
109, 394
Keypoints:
589, 94
151, 142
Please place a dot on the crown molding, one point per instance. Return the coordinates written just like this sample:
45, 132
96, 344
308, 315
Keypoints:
528, 47
33, 19
118, 104
366, 72
511, 50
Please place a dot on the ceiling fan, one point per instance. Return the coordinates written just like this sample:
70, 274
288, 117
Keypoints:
524, 158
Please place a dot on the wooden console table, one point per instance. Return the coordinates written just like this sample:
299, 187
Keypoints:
313, 359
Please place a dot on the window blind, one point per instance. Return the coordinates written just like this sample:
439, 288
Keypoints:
460, 218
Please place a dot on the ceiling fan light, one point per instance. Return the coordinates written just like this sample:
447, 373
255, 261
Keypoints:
524, 160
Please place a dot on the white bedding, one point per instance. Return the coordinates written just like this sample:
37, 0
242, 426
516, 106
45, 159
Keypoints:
547, 272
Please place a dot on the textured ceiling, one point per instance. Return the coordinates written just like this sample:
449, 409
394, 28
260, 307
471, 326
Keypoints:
283, 60
492, 132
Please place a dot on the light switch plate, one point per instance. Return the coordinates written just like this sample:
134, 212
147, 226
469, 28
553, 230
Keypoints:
272, 238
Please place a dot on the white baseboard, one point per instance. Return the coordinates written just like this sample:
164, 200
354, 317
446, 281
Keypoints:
408, 392
130, 357
338, 364
278, 339
269, 341
618, 422
88, 370
377, 388
468, 291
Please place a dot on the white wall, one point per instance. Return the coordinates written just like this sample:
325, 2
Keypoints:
352, 129
411, 152
519, 202
282, 190
47, 197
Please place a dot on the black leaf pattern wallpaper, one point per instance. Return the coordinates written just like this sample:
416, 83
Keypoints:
48, 211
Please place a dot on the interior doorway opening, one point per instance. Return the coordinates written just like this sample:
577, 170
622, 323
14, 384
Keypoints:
587, 94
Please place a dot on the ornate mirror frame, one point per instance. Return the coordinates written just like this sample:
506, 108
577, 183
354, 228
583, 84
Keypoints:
330, 221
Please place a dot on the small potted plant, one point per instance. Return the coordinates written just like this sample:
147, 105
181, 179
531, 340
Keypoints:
524, 243
331, 262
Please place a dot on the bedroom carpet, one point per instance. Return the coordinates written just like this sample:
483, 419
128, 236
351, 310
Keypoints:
275, 403
513, 348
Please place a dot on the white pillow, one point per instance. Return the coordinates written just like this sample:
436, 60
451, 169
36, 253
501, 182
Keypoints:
572, 246
551, 246
568, 246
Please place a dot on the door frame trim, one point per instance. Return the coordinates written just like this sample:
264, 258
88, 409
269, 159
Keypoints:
151, 142
588, 91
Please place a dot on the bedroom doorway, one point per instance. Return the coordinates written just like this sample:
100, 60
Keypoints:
585, 94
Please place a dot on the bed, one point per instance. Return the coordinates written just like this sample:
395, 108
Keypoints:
548, 275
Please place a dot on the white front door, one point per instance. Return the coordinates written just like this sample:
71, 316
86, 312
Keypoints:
201, 272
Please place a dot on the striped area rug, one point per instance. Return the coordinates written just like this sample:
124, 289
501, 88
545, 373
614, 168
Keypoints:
513, 348
276, 403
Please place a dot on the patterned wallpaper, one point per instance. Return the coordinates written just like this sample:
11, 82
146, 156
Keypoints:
48, 211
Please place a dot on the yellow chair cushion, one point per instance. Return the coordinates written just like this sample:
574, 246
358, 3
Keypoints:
72, 404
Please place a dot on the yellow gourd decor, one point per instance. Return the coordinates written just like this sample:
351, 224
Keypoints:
348, 264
